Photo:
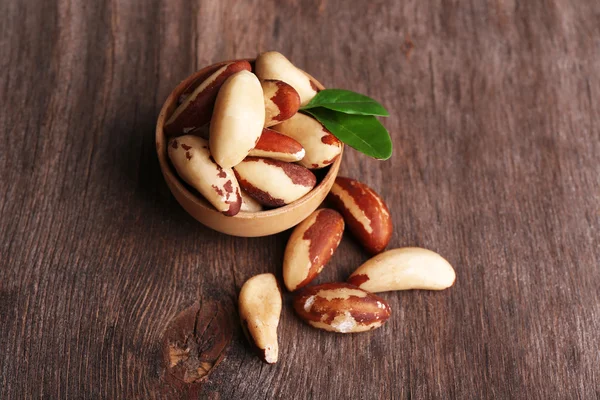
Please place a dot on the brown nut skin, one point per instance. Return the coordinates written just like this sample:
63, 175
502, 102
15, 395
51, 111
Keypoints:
271, 144
274, 145
274, 183
365, 213
260, 308
201, 78
341, 307
201, 132
311, 246
196, 110
274, 65
281, 101
321, 146
194, 164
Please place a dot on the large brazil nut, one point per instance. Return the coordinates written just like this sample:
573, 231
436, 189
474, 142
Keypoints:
281, 101
273, 144
365, 213
322, 148
192, 160
274, 65
260, 309
340, 307
196, 109
404, 269
311, 246
274, 183
237, 120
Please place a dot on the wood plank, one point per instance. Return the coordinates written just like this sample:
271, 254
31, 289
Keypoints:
494, 120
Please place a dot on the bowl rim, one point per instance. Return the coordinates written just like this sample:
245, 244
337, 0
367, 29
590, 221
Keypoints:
161, 150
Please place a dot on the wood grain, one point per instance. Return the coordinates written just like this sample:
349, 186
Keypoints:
495, 113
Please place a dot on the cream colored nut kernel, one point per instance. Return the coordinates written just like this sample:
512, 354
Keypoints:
311, 246
260, 309
281, 101
274, 145
192, 161
403, 269
364, 211
272, 182
237, 120
322, 148
249, 204
196, 109
340, 307
274, 65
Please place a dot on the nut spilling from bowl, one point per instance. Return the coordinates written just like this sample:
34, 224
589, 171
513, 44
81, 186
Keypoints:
341, 307
260, 308
310, 247
352, 306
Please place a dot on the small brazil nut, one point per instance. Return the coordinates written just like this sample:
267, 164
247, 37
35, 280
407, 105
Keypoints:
322, 148
249, 204
272, 182
194, 164
365, 213
274, 65
237, 120
260, 309
196, 109
311, 246
273, 144
281, 101
404, 269
340, 307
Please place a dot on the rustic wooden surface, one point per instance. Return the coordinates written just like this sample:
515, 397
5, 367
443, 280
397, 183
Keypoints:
495, 112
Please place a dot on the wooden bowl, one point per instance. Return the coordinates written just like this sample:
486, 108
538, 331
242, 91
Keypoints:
244, 224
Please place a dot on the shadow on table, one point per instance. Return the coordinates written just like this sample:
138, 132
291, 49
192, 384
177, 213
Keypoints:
145, 198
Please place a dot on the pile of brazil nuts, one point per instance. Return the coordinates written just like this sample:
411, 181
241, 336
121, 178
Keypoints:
238, 139
344, 307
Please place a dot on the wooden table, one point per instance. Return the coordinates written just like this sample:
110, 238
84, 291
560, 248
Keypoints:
495, 113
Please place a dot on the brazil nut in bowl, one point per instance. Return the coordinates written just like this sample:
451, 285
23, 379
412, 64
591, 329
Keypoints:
229, 158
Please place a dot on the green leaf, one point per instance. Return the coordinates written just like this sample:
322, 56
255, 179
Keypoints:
361, 132
347, 102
